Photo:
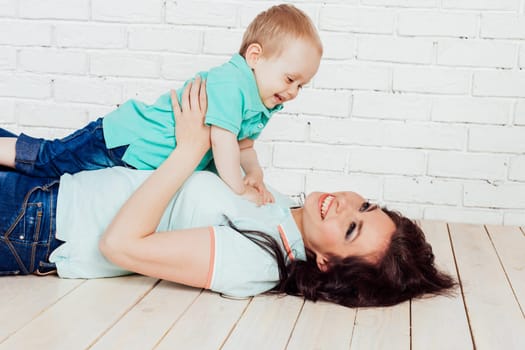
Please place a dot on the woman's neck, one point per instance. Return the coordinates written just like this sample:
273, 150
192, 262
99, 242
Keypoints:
297, 214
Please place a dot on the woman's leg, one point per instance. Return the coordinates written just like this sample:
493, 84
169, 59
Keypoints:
27, 223
85, 149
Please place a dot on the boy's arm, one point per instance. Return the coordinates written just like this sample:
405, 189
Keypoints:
254, 173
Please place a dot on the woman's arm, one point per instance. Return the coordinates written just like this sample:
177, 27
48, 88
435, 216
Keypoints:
183, 255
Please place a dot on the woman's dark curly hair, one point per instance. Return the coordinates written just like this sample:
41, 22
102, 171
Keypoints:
405, 271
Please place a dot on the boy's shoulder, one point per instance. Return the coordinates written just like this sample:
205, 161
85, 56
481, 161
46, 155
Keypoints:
233, 72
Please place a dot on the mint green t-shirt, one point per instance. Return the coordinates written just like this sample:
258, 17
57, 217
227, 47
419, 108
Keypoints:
88, 201
233, 104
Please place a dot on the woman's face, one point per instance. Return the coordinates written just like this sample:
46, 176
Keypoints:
344, 224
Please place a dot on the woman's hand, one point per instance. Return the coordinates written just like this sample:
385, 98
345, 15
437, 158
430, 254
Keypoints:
190, 129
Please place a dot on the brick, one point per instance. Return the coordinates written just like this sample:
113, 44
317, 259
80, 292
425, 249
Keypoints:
509, 195
125, 64
22, 33
285, 128
218, 14
368, 186
353, 76
7, 58
401, 3
264, 153
8, 8
17, 85
309, 156
497, 139
514, 218
422, 190
88, 90
499, 83
342, 131
391, 106
55, 9
338, 45
521, 59
138, 11
463, 215
517, 168
472, 53
320, 102
8, 111
53, 61
51, 115
502, 26
519, 117
183, 67
503, 5
467, 166
356, 20
432, 23
285, 181
387, 161
92, 35
222, 42
431, 80
424, 135
471, 110
165, 39
95, 112
390, 49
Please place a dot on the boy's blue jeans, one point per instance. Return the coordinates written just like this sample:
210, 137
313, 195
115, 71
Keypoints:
85, 149
27, 222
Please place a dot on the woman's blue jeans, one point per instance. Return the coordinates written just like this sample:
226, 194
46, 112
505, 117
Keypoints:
27, 222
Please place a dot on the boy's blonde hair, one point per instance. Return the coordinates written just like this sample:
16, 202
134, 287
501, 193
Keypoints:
272, 28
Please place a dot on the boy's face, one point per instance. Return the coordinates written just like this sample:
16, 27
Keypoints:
280, 77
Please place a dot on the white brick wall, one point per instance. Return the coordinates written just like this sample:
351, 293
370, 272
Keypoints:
418, 104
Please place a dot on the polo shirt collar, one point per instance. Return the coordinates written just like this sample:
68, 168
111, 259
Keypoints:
291, 238
257, 106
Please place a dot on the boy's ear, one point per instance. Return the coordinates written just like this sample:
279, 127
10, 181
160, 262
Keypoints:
252, 55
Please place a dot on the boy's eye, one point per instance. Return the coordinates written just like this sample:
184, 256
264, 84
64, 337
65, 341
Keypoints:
350, 230
365, 206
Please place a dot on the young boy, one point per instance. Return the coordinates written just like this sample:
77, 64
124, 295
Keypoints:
280, 52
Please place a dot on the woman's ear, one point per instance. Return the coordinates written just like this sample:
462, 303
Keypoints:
322, 263
252, 54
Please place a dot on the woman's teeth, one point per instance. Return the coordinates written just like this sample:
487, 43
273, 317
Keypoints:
325, 205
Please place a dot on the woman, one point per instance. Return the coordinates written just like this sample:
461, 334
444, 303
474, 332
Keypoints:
337, 247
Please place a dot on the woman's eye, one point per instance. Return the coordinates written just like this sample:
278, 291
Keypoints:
350, 230
288, 79
365, 206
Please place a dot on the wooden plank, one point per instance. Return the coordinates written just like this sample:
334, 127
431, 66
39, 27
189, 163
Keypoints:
510, 246
24, 297
266, 324
145, 325
81, 316
323, 325
206, 323
382, 328
494, 315
440, 322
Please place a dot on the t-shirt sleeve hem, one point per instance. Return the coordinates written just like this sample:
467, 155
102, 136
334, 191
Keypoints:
209, 278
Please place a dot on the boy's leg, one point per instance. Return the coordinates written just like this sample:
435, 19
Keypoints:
7, 149
85, 149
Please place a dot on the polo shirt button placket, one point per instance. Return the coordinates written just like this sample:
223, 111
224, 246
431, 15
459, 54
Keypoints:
260, 125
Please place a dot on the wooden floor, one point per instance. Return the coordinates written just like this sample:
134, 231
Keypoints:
143, 313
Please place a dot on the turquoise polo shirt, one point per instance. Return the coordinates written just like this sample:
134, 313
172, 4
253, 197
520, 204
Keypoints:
233, 104
238, 267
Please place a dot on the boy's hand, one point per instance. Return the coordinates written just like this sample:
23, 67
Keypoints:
253, 195
255, 180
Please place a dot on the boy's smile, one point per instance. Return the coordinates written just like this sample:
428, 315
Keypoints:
280, 76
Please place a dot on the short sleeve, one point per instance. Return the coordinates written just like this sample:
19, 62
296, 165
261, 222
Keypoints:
225, 106
240, 268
